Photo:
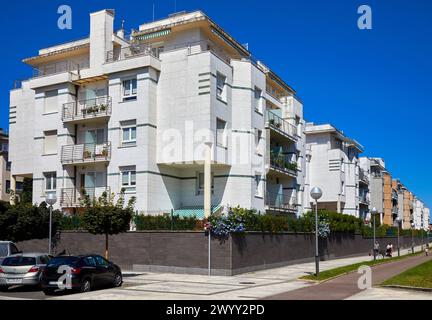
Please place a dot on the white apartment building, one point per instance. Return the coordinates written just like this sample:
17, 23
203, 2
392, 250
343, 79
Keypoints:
112, 111
4, 166
420, 215
332, 163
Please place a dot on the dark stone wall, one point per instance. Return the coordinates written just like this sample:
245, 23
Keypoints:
186, 252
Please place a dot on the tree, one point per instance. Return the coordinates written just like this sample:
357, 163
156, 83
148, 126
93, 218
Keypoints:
103, 216
27, 222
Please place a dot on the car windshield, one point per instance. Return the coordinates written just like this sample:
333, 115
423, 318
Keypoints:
3, 249
19, 261
59, 261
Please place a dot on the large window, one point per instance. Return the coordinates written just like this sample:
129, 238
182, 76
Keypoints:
221, 87
50, 181
258, 185
258, 139
50, 142
200, 184
128, 178
221, 133
129, 133
129, 89
51, 101
258, 100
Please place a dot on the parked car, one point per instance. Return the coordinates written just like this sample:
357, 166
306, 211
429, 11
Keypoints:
87, 272
22, 269
7, 248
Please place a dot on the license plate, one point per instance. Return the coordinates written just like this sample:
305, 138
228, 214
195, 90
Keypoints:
14, 281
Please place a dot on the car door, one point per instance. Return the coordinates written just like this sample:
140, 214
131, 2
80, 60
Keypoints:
105, 270
91, 269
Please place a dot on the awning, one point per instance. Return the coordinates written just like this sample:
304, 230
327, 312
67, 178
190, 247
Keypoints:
153, 35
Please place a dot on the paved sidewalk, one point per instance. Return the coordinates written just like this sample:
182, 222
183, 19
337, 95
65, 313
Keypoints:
346, 286
391, 294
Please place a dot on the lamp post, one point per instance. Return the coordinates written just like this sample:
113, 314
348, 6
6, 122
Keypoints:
373, 215
51, 199
207, 195
316, 193
398, 220
412, 237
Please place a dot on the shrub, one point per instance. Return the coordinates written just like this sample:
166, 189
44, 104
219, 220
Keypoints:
166, 222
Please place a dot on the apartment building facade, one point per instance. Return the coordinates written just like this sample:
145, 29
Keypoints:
332, 163
112, 112
4, 166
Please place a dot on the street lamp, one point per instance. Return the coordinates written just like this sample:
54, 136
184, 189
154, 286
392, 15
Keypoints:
412, 237
51, 199
373, 216
316, 193
398, 220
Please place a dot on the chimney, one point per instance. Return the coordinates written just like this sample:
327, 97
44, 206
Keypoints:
101, 32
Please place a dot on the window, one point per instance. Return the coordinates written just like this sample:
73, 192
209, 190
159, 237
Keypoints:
129, 89
343, 188
221, 86
258, 100
221, 133
101, 261
201, 183
8, 166
51, 101
129, 133
50, 142
50, 181
258, 138
128, 178
89, 261
258, 185
8, 184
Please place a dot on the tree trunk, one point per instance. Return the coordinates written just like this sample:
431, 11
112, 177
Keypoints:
106, 246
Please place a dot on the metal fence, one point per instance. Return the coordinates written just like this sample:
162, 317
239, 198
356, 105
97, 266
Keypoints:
85, 109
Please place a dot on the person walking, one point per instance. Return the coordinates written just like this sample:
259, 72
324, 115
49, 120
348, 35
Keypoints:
427, 249
376, 248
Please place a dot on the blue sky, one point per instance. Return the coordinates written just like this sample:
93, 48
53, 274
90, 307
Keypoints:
375, 85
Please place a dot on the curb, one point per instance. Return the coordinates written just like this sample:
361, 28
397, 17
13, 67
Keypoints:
407, 288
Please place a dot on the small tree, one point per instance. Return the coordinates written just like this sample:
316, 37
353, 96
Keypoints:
103, 216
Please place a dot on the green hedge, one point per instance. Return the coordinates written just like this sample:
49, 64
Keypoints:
165, 222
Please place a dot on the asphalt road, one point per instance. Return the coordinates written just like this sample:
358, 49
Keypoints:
346, 286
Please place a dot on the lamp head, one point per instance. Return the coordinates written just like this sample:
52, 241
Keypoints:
316, 193
51, 198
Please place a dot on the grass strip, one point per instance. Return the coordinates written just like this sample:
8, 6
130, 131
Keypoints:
332, 273
419, 276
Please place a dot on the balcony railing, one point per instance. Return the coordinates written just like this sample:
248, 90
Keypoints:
363, 177
85, 153
73, 197
364, 199
59, 67
281, 201
125, 53
87, 109
277, 123
283, 162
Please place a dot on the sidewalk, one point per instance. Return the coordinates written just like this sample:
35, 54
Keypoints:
346, 286
249, 286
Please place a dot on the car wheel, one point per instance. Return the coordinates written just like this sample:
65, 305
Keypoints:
118, 280
85, 286
49, 292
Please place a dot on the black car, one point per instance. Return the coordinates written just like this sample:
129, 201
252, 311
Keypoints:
86, 272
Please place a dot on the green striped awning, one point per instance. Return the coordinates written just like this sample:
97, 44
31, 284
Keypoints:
198, 212
153, 35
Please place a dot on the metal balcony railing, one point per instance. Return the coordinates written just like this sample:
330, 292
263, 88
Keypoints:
84, 153
87, 109
277, 123
283, 162
364, 199
73, 197
363, 177
59, 67
125, 53
281, 201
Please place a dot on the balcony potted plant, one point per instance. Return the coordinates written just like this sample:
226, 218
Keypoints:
87, 154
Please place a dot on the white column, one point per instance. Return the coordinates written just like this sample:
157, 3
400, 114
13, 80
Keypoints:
207, 180
13, 189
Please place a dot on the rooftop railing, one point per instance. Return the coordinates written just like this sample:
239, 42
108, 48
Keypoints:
86, 153
59, 67
87, 109
277, 123
125, 53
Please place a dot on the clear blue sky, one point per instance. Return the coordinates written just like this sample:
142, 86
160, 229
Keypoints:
374, 85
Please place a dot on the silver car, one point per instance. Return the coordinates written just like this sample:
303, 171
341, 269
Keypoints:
22, 269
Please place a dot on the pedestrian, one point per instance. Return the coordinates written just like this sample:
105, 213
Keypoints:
388, 250
427, 249
376, 248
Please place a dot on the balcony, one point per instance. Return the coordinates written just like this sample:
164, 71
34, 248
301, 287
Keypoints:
136, 50
59, 67
281, 202
283, 163
363, 178
395, 195
86, 153
73, 197
279, 125
80, 111
364, 199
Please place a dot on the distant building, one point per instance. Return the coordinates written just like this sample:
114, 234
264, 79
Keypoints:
4, 166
